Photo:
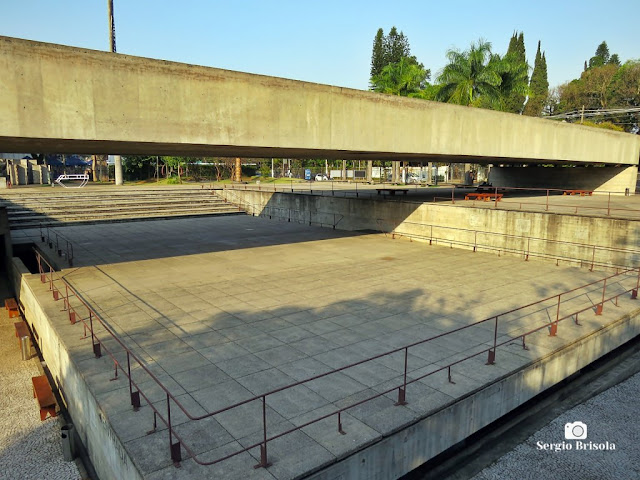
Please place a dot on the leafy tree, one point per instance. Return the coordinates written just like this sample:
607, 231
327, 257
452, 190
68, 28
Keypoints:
602, 52
625, 86
514, 83
396, 46
469, 75
552, 103
538, 87
378, 55
614, 60
388, 49
592, 91
517, 72
603, 57
403, 78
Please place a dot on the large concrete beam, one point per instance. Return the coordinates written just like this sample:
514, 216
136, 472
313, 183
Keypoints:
61, 99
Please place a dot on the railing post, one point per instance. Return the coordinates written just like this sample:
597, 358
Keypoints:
340, 430
634, 292
402, 391
58, 249
263, 447
600, 307
593, 258
553, 328
609, 205
547, 207
43, 276
96, 346
135, 396
526, 258
492, 353
176, 455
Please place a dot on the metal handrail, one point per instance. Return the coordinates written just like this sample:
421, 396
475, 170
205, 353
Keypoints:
447, 200
45, 237
175, 447
526, 253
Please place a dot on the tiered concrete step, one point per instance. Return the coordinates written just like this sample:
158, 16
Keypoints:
34, 207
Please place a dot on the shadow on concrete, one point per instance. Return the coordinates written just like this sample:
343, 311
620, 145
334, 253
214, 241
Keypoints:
209, 362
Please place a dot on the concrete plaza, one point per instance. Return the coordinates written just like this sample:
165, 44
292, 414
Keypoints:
225, 309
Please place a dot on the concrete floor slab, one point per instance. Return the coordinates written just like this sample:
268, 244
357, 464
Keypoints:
223, 309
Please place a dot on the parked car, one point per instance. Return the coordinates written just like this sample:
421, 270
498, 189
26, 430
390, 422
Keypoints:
321, 177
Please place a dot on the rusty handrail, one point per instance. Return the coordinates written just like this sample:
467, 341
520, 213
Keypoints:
46, 238
175, 447
591, 249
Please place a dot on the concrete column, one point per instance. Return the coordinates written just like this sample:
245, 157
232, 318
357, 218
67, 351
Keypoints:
369, 170
394, 171
238, 170
344, 170
429, 172
118, 169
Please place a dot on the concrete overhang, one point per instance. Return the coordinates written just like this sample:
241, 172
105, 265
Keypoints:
63, 99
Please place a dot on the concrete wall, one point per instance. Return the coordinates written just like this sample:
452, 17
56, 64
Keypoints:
107, 454
115, 103
398, 454
443, 222
600, 179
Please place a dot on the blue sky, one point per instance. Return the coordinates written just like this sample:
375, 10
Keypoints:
328, 41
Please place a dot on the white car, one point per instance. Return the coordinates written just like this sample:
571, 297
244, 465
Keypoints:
321, 177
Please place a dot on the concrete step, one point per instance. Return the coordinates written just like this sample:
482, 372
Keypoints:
52, 222
20, 209
91, 206
117, 210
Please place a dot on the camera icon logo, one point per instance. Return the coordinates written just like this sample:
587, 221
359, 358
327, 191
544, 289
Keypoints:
575, 431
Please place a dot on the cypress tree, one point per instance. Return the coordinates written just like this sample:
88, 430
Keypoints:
539, 86
513, 42
516, 53
396, 46
377, 55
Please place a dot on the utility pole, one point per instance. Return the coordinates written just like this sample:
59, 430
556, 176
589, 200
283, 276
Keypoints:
112, 44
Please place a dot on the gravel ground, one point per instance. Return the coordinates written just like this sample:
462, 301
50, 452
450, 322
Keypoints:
610, 417
29, 448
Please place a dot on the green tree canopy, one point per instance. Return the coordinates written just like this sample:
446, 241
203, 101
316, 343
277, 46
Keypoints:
378, 56
515, 79
388, 49
396, 46
404, 78
470, 75
538, 87
603, 57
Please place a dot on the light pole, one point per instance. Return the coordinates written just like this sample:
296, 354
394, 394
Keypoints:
112, 44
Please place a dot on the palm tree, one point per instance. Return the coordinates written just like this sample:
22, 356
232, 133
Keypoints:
469, 75
403, 78
514, 78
